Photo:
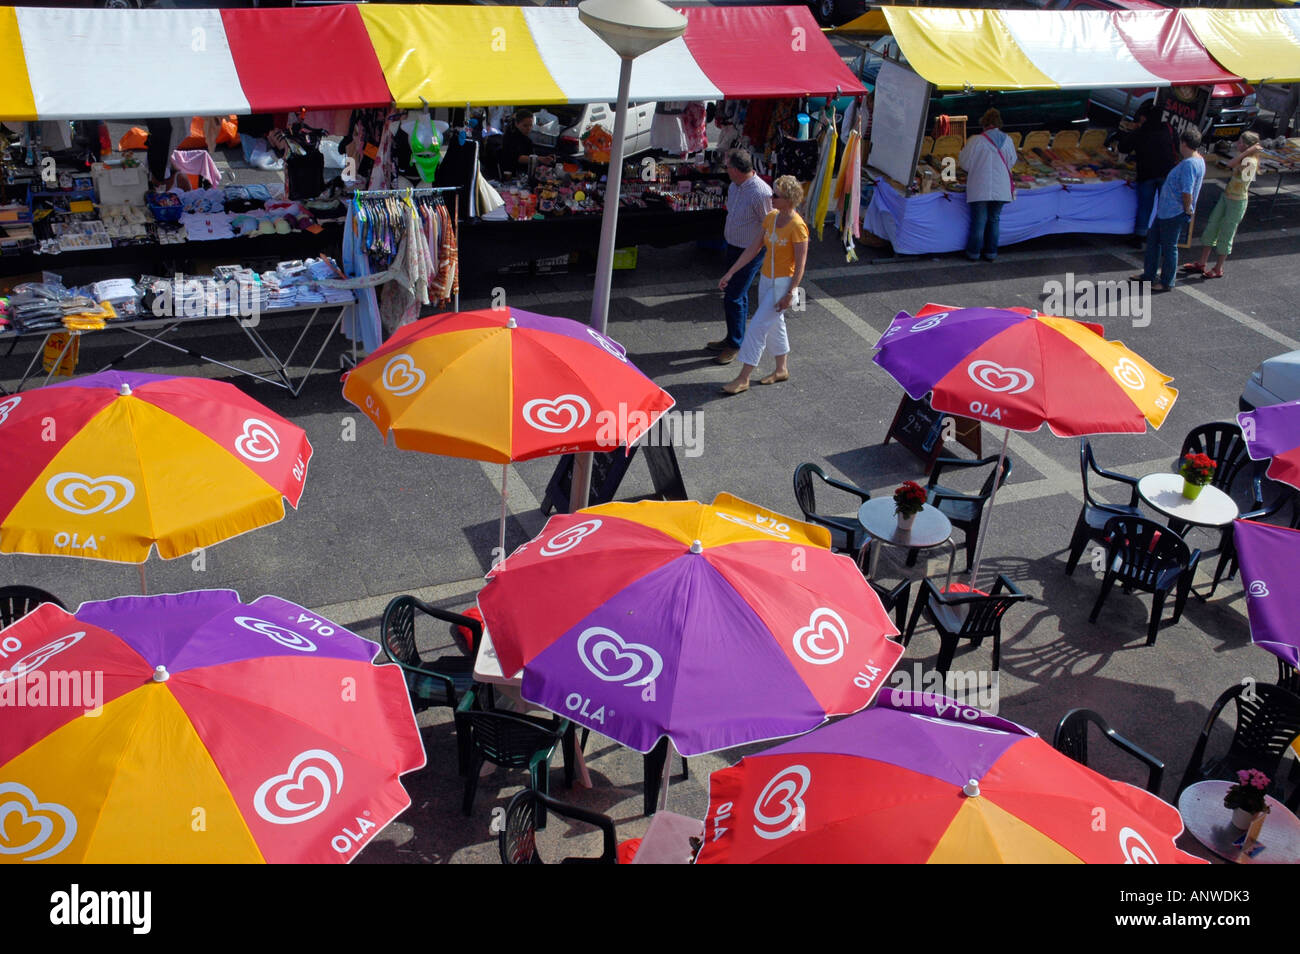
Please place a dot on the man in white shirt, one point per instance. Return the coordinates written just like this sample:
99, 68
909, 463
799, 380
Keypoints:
987, 159
749, 200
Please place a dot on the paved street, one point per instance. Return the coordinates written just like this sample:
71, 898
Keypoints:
375, 522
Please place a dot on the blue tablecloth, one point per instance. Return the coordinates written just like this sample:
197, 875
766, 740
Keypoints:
938, 222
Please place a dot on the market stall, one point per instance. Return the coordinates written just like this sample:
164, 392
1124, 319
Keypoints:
918, 203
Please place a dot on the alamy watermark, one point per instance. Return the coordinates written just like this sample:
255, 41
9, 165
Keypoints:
54, 689
674, 428
977, 689
184, 297
1086, 298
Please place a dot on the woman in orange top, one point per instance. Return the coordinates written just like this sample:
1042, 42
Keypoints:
785, 237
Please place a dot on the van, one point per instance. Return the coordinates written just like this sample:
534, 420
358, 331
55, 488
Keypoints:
572, 120
1232, 109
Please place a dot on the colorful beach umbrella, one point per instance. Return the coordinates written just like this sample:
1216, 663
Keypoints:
109, 465
192, 727
919, 778
1019, 369
1274, 431
502, 385
1270, 564
711, 624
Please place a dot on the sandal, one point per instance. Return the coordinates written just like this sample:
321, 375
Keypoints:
1214, 273
775, 378
727, 388
1194, 267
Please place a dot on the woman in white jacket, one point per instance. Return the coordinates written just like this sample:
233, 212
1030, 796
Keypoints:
987, 159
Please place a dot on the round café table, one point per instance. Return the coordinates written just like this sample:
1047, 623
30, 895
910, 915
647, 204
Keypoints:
1201, 806
930, 529
1164, 492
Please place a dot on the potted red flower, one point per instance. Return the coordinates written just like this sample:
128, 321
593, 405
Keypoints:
1197, 470
909, 498
1246, 798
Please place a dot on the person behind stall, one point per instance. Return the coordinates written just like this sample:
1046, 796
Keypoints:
749, 201
784, 239
987, 159
517, 144
1173, 211
1221, 229
1155, 151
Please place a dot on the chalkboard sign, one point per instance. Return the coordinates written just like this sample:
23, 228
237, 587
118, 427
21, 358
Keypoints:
919, 428
607, 470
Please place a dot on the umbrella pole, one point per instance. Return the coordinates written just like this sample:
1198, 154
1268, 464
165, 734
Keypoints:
144, 589
505, 475
997, 482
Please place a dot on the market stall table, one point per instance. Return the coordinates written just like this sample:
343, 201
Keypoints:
156, 330
930, 529
1201, 806
1164, 492
939, 221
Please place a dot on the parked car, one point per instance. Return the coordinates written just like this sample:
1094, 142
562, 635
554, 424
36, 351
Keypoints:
1232, 109
572, 120
1275, 381
1020, 109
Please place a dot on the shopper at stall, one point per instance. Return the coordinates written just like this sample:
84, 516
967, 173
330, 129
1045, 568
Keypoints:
783, 244
1222, 226
749, 201
1173, 211
1154, 148
987, 159
517, 143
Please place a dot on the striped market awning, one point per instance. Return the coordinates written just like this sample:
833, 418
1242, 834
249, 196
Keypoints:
120, 64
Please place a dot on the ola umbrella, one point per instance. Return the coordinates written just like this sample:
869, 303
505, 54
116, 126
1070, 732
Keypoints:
201, 729
711, 624
1273, 432
109, 465
1270, 561
920, 778
1020, 369
502, 385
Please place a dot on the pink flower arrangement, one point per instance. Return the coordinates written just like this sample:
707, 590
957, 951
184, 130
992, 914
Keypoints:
1248, 793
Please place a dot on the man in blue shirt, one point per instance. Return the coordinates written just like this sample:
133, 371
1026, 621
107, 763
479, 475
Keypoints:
1173, 211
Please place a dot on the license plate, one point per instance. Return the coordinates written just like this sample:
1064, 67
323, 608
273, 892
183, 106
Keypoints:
1228, 132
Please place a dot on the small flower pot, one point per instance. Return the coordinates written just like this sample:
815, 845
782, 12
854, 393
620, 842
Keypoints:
1243, 819
905, 522
1190, 490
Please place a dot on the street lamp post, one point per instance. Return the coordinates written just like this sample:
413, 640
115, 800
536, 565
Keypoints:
629, 28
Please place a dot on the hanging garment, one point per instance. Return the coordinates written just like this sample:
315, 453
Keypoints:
693, 125
426, 148
447, 282
196, 162
831, 142
361, 323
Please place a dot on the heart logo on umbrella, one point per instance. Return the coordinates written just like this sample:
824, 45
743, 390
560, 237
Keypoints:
601, 340
559, 415
38, 658
316, 766
20, 802
784, 791
932, 321
823, 640
568, 538
600, 649
401, 377
7, 405
1136, 850
259, 442
1257, 588
65, 491
994, 377
1130, 375
277, 634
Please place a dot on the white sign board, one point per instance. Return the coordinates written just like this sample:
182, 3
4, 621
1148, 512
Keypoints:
901, 102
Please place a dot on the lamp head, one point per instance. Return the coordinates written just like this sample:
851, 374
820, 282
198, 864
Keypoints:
632, 27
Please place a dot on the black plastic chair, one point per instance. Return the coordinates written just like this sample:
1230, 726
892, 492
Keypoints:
895, 600
1072, 739
1258, 511
518, 839
847, 534
512, 741
1288, 677
435, 682
973, 616
1143, 555
1095, 512
1268, 721
965, 511
17, 601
